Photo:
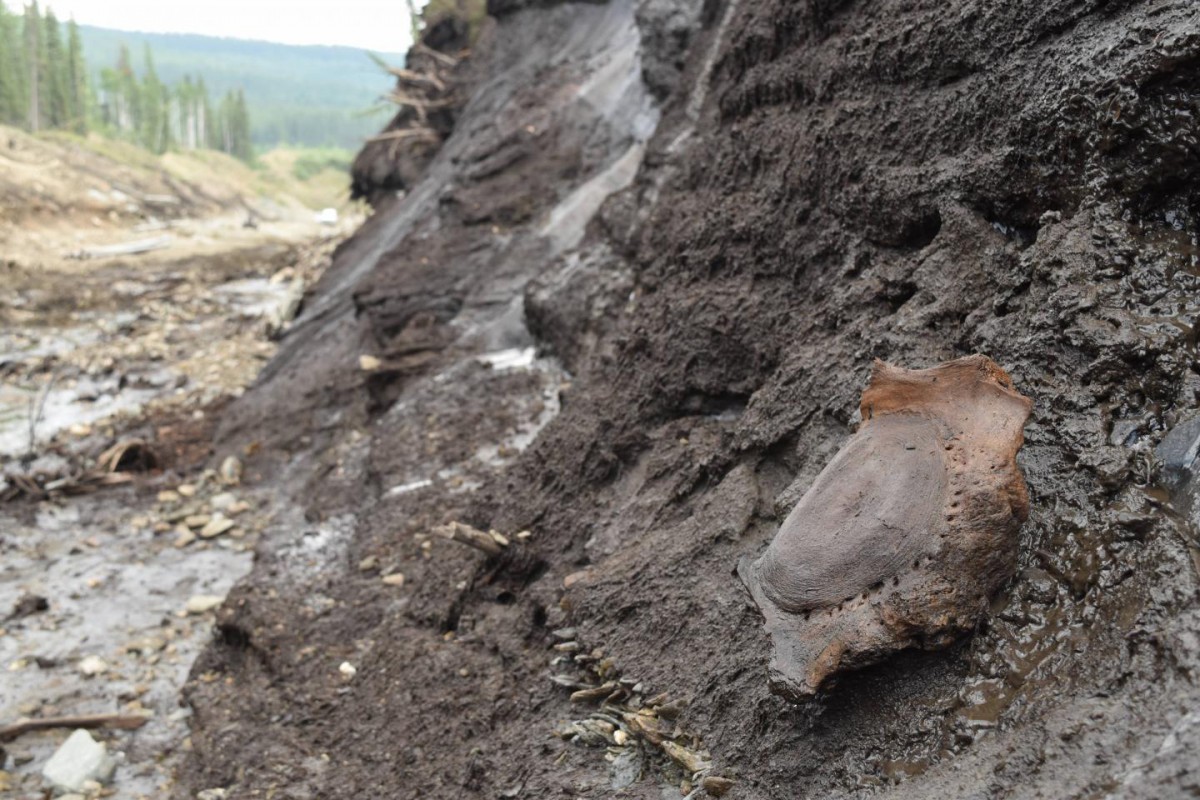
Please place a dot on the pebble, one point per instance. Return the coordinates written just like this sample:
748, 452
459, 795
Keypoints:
169, 496
369, 363
216, 526
716, 785
348, 670
231, 471
395, 579
223, 501
185, 538
92, 666
187, 490
368, 564
77, 763
203, 603
197, 520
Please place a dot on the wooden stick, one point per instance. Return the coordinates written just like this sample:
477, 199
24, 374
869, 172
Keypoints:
407, 133
411, 76
425, 49
489, 542
125, 722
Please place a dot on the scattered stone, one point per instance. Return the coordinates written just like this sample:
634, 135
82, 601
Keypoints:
203, 603
717, 786
169, 496
187, 490
368, 564
92, 666
691, 761
348, 670
197, 520
395, 579
147, 644
369, 363
231, 471
28, 605
223, 501
216, 526
78, 761
185, 538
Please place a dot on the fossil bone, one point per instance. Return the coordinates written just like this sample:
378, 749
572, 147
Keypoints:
906, 534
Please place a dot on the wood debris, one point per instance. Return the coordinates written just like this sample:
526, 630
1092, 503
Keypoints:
125, 722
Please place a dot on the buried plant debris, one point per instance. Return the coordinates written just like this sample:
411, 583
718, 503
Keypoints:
906, 534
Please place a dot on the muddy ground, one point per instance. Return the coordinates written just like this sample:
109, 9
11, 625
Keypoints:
624, 319
110, 569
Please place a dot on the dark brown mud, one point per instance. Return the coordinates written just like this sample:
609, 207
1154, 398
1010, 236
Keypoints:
706, 258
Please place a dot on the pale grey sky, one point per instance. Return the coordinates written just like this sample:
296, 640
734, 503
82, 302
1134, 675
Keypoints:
379, 25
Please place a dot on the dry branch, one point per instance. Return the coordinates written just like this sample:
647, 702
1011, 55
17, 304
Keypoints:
407, 133
126, 722
489, 542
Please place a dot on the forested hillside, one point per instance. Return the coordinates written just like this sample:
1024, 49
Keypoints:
318, 96
45, 84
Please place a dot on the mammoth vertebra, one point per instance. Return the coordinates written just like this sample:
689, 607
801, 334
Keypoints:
907, 533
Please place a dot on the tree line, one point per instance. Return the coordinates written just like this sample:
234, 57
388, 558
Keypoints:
44, 85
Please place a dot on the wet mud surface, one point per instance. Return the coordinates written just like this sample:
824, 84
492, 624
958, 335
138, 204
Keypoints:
705, 264
107, 594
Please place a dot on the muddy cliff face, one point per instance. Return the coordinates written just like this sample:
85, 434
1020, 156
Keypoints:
630, 308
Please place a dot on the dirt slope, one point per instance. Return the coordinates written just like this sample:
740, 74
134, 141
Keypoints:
789, 190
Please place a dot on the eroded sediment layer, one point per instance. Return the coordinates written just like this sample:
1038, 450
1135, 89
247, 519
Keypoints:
909, 182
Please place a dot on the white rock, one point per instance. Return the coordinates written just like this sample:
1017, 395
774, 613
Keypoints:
203, 603
223, 501
216, 526
92, 666
348, 670
80, 759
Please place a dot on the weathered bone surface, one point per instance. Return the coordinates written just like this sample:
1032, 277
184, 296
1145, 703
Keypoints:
906, 534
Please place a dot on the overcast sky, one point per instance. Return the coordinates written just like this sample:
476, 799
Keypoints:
378, 25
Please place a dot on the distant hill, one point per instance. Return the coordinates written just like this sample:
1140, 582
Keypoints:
299, 95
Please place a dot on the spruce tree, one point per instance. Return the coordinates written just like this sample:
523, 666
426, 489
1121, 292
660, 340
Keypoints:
55, 88
34, 58
13, 75
150, 126
78, 91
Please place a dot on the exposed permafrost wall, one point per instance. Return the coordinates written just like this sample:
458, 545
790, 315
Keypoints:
829, 182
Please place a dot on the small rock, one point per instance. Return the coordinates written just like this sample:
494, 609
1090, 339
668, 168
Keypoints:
348, 670
92, 666
197, 520
28, 605
231, 471
203, 603
80, 760
368, 564
187, 490
169, 496
216, 526
223, 501
213, 794
369, 363
185, 538
147, 644
395, 579
717, 786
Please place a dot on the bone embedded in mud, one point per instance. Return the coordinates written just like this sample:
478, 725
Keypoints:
906, 534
